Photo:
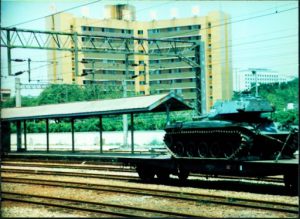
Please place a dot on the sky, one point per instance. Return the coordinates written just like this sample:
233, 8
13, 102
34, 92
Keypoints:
264, 33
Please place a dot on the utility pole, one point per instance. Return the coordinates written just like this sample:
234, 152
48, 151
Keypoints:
93, 74
18, 92
18, 104
256, 85
93, 70
198, 80
125, 121
29, 60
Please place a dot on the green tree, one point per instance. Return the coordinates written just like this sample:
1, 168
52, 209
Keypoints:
60, 93
97, 91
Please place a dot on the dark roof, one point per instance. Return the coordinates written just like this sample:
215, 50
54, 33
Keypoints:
141, 104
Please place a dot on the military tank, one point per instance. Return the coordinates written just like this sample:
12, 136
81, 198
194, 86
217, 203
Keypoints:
233, 130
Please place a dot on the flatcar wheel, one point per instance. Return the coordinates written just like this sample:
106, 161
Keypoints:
291, 182
183, 174
145, 173
163, 175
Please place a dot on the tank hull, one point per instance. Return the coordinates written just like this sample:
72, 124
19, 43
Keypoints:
224, 140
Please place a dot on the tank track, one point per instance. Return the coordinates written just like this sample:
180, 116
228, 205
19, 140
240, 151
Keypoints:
227, 143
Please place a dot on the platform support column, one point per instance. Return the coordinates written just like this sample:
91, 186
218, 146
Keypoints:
100, 131
47, 134
132, 131
19, 136
5, 133
168, 113
72, 130
25, 135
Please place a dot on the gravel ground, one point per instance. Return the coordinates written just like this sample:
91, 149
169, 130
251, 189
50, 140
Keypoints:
10, 209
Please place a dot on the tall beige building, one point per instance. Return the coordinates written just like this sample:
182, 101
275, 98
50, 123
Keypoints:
156, 74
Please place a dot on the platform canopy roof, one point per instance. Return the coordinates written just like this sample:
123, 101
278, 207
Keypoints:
141, 104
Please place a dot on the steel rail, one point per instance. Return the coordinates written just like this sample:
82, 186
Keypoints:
119, 168
186, 196
71, 174
73, 204
109, 168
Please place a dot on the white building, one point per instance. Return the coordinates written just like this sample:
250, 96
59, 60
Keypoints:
245, 79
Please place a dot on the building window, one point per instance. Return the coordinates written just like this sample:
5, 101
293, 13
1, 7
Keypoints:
140, 31
195, 27
209, 24
178, 91
154, 31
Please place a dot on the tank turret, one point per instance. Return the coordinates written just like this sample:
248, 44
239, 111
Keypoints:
244, 109
236, 129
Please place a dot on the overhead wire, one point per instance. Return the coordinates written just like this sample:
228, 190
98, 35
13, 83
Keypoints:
59, 12
235, 21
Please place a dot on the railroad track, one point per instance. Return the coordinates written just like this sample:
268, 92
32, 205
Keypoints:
90, 206
184, 196
104, 167
72, 174
117, 167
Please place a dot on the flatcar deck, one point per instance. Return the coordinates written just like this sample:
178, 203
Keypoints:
85, 155
128, 156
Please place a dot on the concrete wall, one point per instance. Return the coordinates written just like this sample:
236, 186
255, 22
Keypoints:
90, 140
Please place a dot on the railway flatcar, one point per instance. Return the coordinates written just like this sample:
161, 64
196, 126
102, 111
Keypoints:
235, 138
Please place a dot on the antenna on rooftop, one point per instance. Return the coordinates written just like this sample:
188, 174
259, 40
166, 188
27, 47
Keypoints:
174, 12
153, 15
85, 11
195, 10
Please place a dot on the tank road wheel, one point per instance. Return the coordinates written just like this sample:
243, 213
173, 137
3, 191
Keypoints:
145, 173
202, 149
229, 149
183, 174
179, 149
291, 182
246, 144
191, 149
215, 149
